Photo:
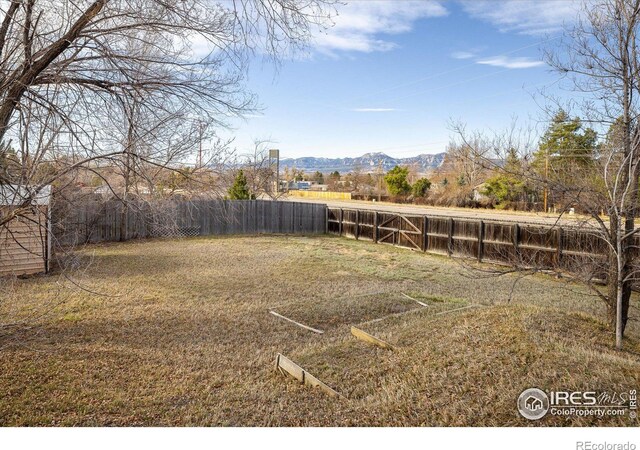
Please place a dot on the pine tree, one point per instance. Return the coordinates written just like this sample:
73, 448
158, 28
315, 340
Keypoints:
565, 149
421, 187
566, 155
396, 180
240, 190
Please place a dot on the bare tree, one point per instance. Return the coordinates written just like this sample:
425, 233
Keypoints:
120, 89
466, 161
76, 59
256, 166
356, 177
600, 57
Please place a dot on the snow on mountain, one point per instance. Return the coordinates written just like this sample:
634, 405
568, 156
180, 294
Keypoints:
367, 163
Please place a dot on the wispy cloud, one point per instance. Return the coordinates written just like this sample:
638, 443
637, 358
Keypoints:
511, 63
364, 26
533, 17
374, 109
462, 55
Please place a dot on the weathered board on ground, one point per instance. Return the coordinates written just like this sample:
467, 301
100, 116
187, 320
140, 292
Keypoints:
411, 311
415, 300
301, 325
285, 365
366, 337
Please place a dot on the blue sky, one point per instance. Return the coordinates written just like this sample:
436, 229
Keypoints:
390, 76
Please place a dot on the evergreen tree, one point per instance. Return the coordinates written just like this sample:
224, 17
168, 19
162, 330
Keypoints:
240, 189
503, 188
566, 155
508, 185
565, 149
421, 187
396, 180
512, 163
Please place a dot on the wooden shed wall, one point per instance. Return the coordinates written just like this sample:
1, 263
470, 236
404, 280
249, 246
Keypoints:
23, 244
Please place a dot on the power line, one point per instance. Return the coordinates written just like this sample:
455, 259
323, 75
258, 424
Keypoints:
446, 72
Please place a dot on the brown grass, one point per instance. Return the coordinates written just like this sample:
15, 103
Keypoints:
181, 335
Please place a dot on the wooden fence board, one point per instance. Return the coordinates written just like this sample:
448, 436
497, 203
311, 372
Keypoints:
94, 222
526, 245
371, 339
285, 365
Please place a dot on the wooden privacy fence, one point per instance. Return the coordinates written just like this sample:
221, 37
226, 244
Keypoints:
92, 222
525, 245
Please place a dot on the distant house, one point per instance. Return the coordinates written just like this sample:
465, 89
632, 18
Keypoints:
107, 191
25, 244
319, 187
299, 185
478, 195
103, 190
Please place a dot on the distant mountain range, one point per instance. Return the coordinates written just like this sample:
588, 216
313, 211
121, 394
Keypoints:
367, 163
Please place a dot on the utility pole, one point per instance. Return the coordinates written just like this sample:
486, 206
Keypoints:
274, 165
546, 180
201, 134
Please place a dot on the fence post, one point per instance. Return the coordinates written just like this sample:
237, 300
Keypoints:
396, 233
340, 223
559, 248
326, 220
356, 231
450, 240
480, 240
375, 227
516, 239
425, 233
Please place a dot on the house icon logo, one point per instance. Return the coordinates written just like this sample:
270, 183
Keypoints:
533, 404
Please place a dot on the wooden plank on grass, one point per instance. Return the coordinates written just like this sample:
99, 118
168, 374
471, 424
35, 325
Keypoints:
415, 300
306, 327
457, 309
411, 311
285, 365
364, 336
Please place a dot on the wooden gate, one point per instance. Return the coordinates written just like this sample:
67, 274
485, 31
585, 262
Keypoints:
519, 244
402, 230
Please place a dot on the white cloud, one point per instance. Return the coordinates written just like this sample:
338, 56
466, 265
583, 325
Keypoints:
533, 17
374, 109
462, 55
360, 24
511, 63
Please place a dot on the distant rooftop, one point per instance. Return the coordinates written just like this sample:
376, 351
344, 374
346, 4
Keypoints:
11, 194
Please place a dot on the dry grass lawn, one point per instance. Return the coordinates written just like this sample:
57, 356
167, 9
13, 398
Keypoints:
177, 332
